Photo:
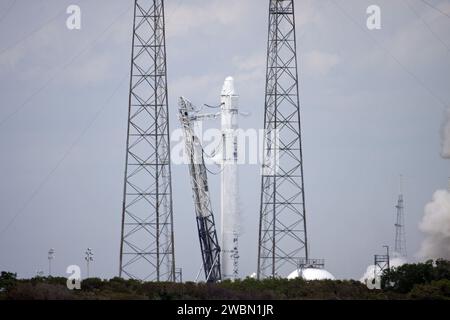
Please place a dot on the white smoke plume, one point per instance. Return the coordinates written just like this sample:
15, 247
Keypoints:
436, 226
445, 133
369, 275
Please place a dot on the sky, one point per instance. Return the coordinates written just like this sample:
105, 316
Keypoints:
372, 105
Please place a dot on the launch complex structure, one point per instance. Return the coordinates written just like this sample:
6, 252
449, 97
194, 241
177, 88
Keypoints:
147, 236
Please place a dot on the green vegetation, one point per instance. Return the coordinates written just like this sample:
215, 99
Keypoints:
411, 281
429, 280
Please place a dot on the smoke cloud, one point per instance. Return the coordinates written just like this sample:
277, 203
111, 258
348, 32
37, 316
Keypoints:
446, 136
369, 275
436, 226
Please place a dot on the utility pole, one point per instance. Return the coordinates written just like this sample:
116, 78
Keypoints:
89, 257
282, 225
147, 239
51, 256
388, 255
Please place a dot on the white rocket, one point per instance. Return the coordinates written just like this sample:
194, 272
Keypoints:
229, 181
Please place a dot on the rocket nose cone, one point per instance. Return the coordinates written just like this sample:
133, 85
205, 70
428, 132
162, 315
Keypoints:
228, 87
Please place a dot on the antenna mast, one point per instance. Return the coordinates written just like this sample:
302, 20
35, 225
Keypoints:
400, 236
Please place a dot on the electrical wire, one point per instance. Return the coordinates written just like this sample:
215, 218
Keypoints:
214, 107
399, 63
211, 157
436, 8
29, 35
215, 150
427, 25
8, 9
69, 150
48, 177
214, 173
211, 172
57, 73
197, 109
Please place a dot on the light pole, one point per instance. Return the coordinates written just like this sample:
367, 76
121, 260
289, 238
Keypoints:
51, 256
388, 257
88, 257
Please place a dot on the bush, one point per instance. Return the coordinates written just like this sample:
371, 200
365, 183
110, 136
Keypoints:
412, 281
92, 284
7, 280
404, 278
436, 290
40, 291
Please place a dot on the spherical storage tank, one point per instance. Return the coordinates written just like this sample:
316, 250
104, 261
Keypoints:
312, 274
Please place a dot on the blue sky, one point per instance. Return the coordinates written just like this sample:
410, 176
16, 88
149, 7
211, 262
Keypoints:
372, 105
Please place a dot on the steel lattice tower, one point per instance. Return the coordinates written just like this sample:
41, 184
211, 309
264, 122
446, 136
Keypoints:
147, 240
282, 227
400, 236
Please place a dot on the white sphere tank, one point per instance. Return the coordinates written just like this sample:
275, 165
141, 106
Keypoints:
311, 274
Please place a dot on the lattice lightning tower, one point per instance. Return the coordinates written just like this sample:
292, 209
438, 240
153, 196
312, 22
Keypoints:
282, 227
147, 240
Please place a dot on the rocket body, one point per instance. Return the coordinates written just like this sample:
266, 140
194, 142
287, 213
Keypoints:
229, 181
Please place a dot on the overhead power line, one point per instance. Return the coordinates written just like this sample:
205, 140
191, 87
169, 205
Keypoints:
69, 150
436, 8
441, 101
62, 68
8, 9
33, 32
426, 25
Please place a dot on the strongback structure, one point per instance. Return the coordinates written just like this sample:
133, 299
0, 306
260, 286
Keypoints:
400, 237
147, 240
282, 227
209, 243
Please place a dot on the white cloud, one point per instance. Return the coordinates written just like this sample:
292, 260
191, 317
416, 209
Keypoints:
250, 68
415, 42
9, 59
250, 62
307, 13
198, 87
185, 18
94, 69
250, 72
74, 56
319, 63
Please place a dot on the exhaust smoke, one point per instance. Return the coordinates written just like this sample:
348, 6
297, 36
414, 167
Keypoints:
436, 226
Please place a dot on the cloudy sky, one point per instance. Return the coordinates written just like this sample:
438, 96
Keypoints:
372, 107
